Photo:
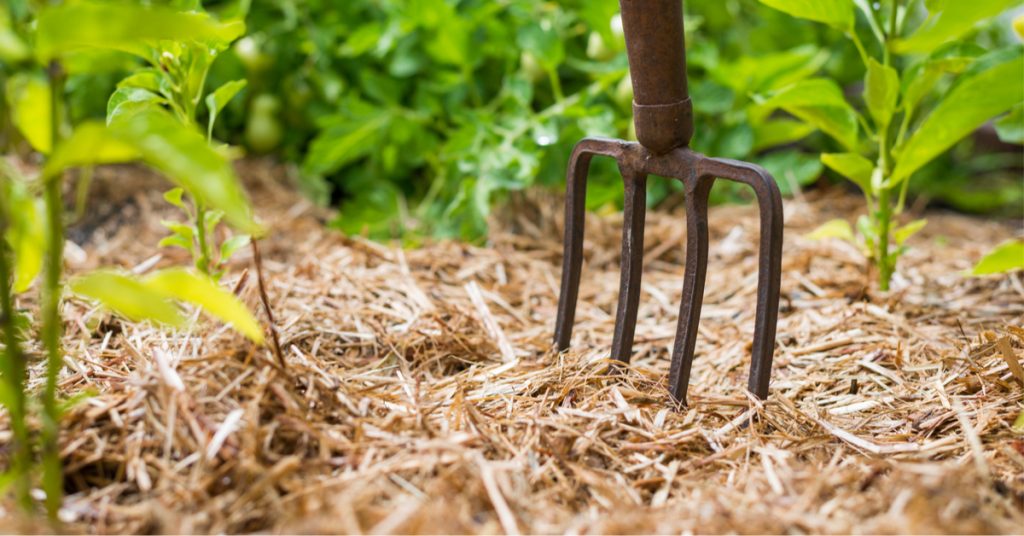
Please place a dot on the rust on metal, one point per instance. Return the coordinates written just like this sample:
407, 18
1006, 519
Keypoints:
664, 124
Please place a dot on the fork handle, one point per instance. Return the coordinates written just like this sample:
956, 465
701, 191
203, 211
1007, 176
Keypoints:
655, 45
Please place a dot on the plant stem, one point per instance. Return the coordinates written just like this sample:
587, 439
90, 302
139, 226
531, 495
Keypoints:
556, 85
13, 369
884, 218
884, 213
860, 47
203, 260
51, 296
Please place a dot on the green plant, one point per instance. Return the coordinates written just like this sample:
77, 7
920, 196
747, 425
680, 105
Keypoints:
32, 210
924, 90
175, 80
418, 117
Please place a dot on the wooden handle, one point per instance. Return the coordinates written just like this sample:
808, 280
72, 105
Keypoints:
662, 111
657, 53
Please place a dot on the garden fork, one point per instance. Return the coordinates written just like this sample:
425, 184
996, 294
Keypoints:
663, 117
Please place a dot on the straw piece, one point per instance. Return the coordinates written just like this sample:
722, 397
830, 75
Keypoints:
402, 411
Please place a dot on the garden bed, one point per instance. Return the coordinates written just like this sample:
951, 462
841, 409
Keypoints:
421, 393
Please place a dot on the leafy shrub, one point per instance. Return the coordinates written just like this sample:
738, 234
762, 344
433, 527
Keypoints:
419, 115
923, 92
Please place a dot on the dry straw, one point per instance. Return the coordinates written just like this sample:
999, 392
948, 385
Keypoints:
421, 395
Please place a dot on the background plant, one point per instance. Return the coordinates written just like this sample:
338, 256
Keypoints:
422, 115
923, 92
418, 116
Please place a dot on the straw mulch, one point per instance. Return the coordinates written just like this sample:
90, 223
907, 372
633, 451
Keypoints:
421, 393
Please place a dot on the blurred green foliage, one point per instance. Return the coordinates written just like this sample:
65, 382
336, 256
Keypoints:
421, 114
924, 91
418, 116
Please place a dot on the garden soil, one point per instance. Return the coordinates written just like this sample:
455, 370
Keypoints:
420, 392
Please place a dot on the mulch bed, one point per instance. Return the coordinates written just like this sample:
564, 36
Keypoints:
421, 392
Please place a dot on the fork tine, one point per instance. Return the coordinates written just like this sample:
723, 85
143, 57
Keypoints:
631, 263
572, 256
769, 272
693, 287
769, 278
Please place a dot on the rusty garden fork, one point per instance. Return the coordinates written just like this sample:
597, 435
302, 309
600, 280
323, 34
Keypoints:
664, 126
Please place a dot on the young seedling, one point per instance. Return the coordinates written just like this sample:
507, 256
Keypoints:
175, 80
197, 235
924, 90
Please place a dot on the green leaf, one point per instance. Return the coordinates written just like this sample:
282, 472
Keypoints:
69, 403
90, 144
904, 233
1011, 127
775, 132
129, 100
127, 297
792, 169
1018, 423
124, 26
12, 48
373, 211
345, 140
181, 229
183, 155
769, 71
868, 231
819, 102
25, 234
544, 43
28, 246
1006, 257
149, 79
185, 285
922, 79
835, 13
955, 19
216, 101
174, 197
852, 166
233, 244
28, 97
968, 106
175, 241
837, 228
881, 92
212, 217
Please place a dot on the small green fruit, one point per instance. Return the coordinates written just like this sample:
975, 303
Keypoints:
624, 93
248, 51
263, 129
597, 49
534, 72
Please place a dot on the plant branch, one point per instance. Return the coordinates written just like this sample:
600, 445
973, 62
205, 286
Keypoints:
860, 47
275, 341
13, 369
51, 297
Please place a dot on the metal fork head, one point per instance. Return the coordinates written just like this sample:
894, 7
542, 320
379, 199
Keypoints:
663, 117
